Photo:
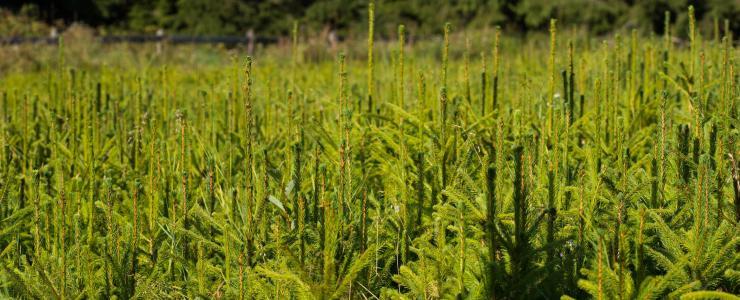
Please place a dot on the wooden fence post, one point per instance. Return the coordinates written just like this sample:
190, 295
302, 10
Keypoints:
160, 38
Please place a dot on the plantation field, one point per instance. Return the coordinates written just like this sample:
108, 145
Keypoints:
471, 166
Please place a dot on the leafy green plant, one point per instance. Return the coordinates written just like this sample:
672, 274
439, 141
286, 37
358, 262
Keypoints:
392, 175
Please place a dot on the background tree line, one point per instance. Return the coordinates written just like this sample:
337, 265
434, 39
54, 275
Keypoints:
422, 17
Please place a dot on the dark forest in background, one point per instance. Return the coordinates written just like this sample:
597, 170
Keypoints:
275, 17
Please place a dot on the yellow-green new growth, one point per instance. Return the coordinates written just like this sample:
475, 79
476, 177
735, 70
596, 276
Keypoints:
692, 41
445, 53
370, 67
294, 54
495, 67
401, 46
551, 85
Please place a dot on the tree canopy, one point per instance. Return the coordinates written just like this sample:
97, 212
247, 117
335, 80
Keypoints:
275, 17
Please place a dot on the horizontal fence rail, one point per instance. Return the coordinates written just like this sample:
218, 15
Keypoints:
15, 40
140, 39
191, 39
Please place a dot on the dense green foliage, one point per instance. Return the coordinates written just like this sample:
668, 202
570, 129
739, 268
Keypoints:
486, 168
422, 17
